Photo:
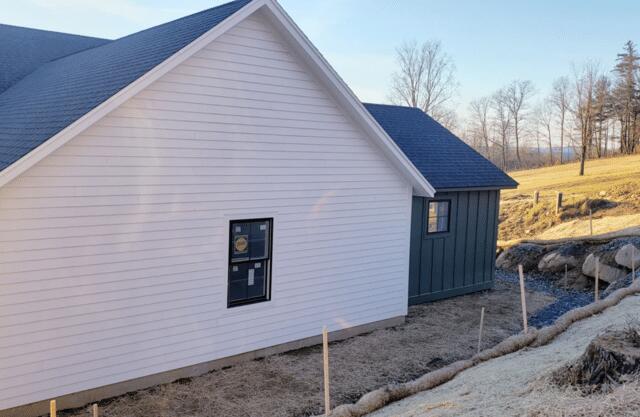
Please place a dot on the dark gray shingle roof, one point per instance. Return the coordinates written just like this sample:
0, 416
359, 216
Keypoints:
22, 50
60, 92
442, 158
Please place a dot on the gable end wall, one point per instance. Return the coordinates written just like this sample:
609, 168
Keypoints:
113, 249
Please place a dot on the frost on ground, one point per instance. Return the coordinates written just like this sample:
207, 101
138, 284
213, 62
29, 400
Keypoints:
290, 384
520, 384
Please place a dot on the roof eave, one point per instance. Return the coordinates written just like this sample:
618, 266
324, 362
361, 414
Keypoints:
477, 188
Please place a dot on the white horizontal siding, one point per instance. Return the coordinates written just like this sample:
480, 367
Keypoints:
113, 249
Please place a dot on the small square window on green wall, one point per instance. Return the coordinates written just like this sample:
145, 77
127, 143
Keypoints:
438, 216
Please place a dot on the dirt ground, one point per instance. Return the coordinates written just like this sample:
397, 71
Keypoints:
290, 384
610, 188
520, 384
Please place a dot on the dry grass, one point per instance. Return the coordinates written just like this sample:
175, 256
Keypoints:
603, 174
290, 384
610, 187
580, 227
622, 401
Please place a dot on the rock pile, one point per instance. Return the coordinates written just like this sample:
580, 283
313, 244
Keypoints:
613, 260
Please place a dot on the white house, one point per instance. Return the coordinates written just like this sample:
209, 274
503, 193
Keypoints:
200, 192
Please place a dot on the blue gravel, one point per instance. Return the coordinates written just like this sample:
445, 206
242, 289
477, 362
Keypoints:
566, 299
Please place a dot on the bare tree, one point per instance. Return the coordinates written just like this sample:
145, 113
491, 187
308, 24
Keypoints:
502, 122
425, 79
561, 98
479, 110
544, 117
517, 95
583, 108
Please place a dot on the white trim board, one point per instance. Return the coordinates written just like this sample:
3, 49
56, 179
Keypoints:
330, 78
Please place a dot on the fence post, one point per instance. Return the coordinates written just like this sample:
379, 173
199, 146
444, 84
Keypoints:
52, 408
325, 360
536, 197
558, 202
481, 326
95, 410
523, 300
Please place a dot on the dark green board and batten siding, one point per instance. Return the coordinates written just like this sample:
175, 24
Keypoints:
461, 260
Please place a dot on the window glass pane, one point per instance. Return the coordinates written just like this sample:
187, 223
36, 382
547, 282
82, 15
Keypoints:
442, 224
259, 240
433, 225
443, 208
433, 209
256, 280
238, 283
240, 233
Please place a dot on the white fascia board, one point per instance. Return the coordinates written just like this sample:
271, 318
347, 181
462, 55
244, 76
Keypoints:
351, 103
86, 121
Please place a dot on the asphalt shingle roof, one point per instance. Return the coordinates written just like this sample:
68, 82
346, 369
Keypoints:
59, 92
442, 158
49, 80
22, 50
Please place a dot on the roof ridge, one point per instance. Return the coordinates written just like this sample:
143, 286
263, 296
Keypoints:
55, 31
401, 106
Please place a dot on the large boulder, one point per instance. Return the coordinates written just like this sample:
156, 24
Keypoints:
526, 254
570, 255
607, 252
606, 273
628, 256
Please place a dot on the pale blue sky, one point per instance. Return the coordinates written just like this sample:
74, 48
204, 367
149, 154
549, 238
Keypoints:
491, 41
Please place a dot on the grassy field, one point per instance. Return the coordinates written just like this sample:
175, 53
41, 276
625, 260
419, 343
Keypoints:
610, 188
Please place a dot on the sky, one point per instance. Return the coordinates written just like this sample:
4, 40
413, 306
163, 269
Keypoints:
491, 42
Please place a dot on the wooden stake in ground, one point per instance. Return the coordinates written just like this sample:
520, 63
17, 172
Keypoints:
325, 357
95, 410
633, 263
481, 326
52, 408
591, 222
597, 296
523, 300
558, 202
536, 197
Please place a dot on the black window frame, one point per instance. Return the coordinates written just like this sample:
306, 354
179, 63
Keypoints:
267, 260
428, 205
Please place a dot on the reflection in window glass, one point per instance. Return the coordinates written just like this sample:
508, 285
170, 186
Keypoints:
438, 217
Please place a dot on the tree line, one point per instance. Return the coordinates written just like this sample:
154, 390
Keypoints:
591, 113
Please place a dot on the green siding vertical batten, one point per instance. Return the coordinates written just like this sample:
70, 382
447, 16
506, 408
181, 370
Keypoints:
459, 261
